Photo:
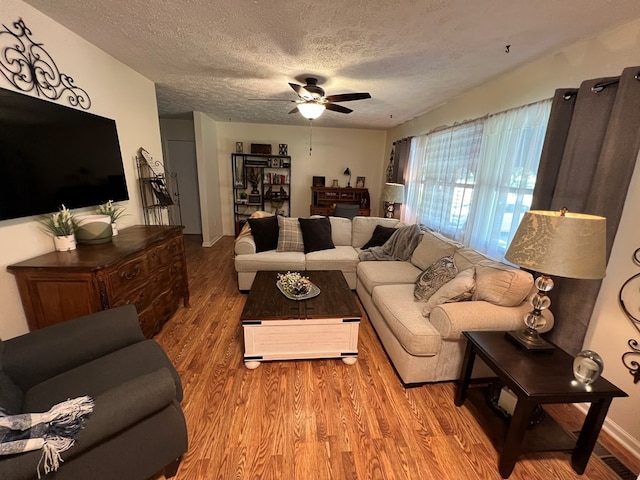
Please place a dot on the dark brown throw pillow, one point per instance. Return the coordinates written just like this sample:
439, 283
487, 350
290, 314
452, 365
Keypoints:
380, 236
265, 233
316, 234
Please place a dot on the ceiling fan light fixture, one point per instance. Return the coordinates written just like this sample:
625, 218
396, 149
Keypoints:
311, 110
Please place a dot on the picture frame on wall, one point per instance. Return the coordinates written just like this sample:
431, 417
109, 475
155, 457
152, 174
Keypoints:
360, 182
318, 181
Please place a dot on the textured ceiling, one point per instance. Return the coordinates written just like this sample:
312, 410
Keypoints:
411, 55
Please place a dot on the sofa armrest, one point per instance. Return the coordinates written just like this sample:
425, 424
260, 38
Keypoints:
245, 245
42, 354
451, 319
114, 411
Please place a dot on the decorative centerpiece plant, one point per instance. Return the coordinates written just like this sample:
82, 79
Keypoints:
61, 225
113, 211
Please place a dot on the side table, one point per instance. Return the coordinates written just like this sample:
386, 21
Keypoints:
536, 378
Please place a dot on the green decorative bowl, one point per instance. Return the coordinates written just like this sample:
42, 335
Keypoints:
94, 229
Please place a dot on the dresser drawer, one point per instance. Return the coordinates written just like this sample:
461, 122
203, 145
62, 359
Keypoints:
141, 298
163, 254
129, 276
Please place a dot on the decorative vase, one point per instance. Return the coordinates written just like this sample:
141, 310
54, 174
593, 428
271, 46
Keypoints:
114, 228
587, 366
94, 229
64, 243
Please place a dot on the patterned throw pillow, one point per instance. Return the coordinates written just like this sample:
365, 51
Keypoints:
433, 277
460, 289
290, 235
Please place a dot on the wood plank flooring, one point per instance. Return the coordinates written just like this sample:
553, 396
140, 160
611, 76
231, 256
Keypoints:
320, 419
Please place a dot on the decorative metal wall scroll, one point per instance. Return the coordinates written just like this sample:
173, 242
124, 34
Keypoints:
629, 299
29, 67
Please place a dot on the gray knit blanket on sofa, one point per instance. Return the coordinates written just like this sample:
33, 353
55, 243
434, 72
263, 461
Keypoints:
400, 245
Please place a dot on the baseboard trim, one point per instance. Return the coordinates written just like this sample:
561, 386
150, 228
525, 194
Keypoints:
620, 435
212, 242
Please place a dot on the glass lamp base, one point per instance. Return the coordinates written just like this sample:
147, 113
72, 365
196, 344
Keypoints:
529, 340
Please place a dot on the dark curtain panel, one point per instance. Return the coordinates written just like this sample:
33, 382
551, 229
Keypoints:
398, 161
586, 164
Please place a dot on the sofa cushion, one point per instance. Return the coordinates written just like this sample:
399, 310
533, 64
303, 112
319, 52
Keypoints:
343, 258
316, 234
340, 231
380, 235
433, 277
265, 233
459, 289
271, 261
467, 257
372, 274
404, 317
432, 247
363, 228
290, 235
10, 394
501, 284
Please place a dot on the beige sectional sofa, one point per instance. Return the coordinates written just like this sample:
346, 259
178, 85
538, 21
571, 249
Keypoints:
421, 348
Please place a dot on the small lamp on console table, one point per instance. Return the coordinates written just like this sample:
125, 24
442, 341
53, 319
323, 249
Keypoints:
560, 243
393, 193
347, 171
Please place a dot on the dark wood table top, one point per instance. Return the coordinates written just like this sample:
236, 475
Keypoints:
266, 302
544, 376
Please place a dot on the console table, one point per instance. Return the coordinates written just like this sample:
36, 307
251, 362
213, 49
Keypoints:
536, 378
325, 199
144, 265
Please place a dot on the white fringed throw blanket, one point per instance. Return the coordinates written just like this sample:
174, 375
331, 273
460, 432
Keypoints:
54, 431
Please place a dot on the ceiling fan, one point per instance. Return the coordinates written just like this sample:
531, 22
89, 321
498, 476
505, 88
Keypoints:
312, 100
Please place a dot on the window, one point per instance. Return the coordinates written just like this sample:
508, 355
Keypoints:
473, 182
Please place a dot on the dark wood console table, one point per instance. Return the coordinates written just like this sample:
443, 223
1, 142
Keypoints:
536, 378
144, 265
325, 199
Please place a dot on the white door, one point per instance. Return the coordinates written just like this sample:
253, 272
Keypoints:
182, 161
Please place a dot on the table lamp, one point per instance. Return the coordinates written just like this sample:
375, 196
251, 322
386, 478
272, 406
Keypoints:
347, 171
393, 193
559, 243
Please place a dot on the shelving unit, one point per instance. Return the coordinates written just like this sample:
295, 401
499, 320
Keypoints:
159, 191
260, 182
325, 199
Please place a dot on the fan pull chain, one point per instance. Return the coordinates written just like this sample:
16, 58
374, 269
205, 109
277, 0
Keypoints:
310, 136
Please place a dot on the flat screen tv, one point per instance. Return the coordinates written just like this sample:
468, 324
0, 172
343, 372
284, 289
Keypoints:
51, 155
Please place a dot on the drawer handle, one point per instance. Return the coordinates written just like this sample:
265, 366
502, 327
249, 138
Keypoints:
129, 276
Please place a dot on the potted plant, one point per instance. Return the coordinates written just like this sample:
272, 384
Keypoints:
113, 211
61, 225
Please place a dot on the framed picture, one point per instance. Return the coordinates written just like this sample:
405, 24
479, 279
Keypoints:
360, 182
318, 181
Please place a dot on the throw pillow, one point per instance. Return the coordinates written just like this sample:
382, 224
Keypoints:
316, 234
10, 394
290, 235
433, 277
459, 289
265, 233
380, 235
501, 284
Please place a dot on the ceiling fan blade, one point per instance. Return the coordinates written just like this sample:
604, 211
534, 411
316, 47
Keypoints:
295, 110
348, 97
337, 108
301, 91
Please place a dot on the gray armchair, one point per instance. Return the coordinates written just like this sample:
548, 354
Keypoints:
137, 428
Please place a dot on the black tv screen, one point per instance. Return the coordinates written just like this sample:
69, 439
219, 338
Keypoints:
51, 155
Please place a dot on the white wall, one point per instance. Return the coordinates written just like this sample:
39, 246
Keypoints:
604, 55
116, 92
334, 149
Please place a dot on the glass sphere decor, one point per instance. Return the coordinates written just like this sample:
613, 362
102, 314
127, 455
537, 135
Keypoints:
587, 366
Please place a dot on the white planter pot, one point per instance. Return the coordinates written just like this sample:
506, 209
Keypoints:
65, 243
114, 228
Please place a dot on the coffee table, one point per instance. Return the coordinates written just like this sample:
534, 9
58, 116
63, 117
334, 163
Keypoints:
537, 378
277, 328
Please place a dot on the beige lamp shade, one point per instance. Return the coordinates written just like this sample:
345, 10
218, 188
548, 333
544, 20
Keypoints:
393, 193
571, 245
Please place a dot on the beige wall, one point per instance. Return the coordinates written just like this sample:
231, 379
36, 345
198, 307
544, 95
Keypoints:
601, 56
117, 92
334, 149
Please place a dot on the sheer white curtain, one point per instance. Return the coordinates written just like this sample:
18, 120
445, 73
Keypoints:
473, 182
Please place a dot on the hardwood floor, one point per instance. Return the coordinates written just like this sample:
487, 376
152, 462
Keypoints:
320, 419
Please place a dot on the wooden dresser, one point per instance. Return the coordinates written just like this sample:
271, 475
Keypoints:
143, 265
325, 199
